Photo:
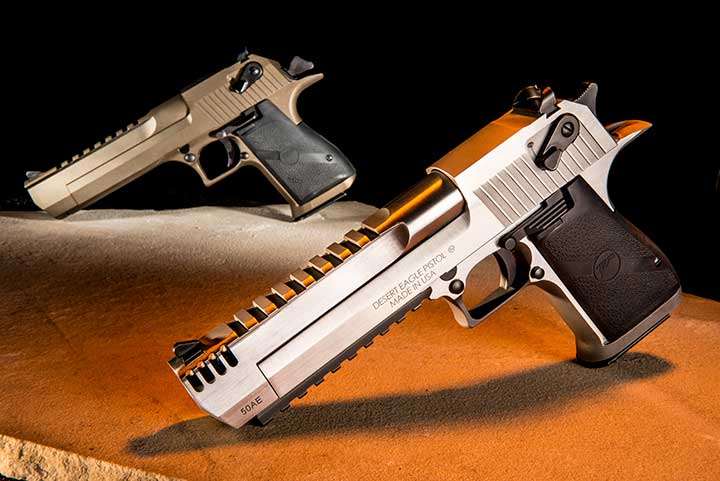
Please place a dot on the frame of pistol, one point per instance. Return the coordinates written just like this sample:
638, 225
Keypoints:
243, 115
529, 189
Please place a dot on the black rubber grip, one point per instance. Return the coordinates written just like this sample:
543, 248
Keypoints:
615, 272
303, 161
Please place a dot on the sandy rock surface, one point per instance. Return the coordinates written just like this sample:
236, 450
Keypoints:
25, 460
90, 307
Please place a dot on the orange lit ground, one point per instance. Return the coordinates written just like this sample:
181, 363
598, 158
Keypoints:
90, 307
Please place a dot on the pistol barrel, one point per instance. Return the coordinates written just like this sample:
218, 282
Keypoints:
321, 314
111, 164
249, 109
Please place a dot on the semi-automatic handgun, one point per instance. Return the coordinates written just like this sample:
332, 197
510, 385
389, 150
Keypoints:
529, 189
245, 114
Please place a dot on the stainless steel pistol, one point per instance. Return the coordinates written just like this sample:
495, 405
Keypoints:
245, 114
529, 189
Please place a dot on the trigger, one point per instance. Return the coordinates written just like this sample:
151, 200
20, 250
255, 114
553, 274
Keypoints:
232, 152
508, 267
513, 267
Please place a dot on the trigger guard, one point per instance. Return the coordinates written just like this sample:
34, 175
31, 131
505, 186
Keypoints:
460, 312
514, 273
472, 317
216, 168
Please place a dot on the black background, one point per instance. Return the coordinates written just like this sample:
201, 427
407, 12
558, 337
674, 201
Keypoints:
398, 94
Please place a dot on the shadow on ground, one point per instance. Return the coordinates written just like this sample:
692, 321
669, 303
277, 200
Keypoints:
493, 401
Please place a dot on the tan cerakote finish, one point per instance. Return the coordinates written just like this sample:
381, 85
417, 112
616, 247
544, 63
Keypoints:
210, 111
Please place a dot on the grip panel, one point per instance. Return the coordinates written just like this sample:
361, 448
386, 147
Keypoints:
300, 159
614, 272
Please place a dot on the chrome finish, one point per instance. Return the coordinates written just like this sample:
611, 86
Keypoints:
271, 354
439, 200
519, 187
410, 250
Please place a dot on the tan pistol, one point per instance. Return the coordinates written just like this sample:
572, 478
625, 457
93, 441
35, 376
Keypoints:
245, 114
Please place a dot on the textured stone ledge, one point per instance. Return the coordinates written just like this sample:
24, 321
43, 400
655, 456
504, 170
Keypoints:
23, 460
